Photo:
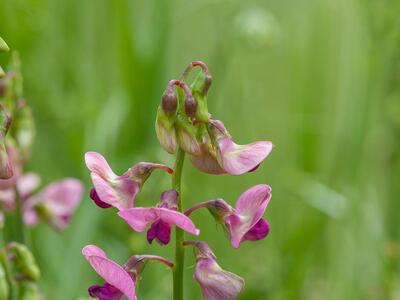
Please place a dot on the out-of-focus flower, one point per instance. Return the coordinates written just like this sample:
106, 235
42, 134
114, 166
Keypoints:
119, 280
161, 218
114, 190
244, 222
6, 170
215, 283
221, 155
55, 204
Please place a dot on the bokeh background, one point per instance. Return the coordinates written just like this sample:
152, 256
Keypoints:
318, 78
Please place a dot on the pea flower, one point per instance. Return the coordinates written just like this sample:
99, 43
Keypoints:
244, 222
161, 218
113, 190
119, 280
215, 283
55, 204
220, 154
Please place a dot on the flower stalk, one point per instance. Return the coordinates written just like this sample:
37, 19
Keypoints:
179, 233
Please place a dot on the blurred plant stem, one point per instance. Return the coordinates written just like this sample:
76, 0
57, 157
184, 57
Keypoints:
19, 234
179, 233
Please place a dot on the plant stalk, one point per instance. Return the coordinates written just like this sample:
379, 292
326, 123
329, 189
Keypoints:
179, 233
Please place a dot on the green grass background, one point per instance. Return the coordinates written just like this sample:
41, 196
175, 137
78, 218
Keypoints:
319, 78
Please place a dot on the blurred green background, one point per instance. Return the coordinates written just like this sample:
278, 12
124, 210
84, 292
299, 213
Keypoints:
318, 78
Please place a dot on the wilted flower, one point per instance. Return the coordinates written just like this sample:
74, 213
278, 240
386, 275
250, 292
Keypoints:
55, 204
120, 280
244, 222
222, 155
114, 190
215, 283
161, 218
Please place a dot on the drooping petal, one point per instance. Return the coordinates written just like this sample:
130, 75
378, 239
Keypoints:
239, 159
216, 283
96, 163
105, 292
110, 271
138, 218
141, 171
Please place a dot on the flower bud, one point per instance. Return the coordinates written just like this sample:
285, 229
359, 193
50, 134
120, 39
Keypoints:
169, 101
4, 289
189, 136
24, 261
28, 290
23, 129
190, 106
165, 131
215, 283
3, 46
6, 171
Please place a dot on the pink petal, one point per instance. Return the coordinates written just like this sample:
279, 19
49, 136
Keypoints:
254, 201
110, 271
28, 183
207, 162
96, 163
239, 159
120, 193
250, 208
62, 197
138, 218
216, 283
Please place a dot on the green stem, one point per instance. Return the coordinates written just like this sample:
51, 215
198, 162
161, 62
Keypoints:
19, 222
179, 233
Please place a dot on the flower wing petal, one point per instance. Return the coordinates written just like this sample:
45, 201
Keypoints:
109, 270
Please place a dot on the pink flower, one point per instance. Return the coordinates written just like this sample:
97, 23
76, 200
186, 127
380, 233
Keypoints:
56, 203
222, 155
215, 283
244, 222
161, 218
120, 280
113, 190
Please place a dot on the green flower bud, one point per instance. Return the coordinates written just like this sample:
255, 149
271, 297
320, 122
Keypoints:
165, 130
24, 261
23, 129
3, 46
4, 289
189, 136
28, 290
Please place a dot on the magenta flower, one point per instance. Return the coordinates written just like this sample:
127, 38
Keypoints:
161, 218
244, 222
56, 203
120, 280
222, 155
215, 283
113, 190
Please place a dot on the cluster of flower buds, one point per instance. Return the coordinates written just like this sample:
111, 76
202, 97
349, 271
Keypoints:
18, 268
56, 202
183, 122
183, 119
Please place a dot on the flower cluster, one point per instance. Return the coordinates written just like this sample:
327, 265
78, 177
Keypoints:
22, 203
183, 126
